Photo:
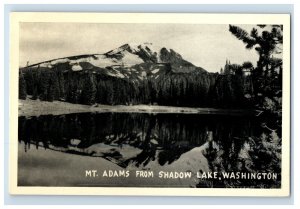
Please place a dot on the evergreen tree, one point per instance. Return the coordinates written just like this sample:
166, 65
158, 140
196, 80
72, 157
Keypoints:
29, 79
88, 93
221, 71
53, 89
61, 84
22, 86
266, 43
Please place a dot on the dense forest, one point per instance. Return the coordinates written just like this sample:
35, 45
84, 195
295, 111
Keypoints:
200, 89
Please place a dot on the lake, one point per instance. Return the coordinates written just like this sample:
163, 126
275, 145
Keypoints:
155, 150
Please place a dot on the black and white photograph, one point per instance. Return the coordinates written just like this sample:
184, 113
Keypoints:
152, 105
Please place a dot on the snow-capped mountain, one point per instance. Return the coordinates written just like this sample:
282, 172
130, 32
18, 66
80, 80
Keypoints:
129, 74
148, 53
129, 58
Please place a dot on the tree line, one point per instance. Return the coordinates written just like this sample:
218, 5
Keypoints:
173, 89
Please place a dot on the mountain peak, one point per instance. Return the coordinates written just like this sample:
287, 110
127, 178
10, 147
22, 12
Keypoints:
132, 48
149, 53
144, 51
128, 54
138, 47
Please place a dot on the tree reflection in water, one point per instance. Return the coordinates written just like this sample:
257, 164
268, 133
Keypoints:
230, 143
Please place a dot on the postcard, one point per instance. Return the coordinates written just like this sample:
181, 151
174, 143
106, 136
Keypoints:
149, 104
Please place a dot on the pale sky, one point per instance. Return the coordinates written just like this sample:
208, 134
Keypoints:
206, 46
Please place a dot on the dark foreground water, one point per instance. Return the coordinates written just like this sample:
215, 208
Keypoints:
153, 148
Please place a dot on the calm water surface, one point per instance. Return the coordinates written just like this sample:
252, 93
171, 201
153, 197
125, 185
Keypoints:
138, 141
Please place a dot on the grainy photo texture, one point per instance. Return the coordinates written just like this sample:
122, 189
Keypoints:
150, 105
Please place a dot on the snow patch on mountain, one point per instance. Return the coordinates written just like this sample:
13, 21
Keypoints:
143, 74
97, 60
76, 67
115, 74
46, 65
58, 61
130, 59
101, 61
150, 49
155, 71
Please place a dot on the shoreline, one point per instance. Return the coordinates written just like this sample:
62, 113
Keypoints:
30, 107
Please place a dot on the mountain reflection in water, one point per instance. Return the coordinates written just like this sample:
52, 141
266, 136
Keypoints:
138, 140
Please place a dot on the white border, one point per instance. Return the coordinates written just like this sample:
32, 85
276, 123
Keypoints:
158, 18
